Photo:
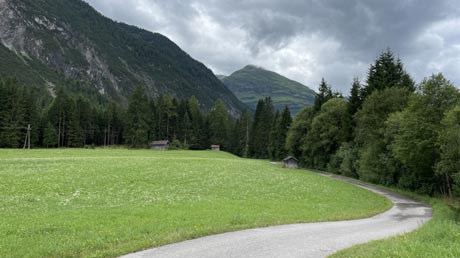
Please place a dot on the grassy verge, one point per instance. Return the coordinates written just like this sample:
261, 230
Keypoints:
438, 238
104, 203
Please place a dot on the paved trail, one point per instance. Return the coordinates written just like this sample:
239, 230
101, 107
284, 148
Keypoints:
302, 240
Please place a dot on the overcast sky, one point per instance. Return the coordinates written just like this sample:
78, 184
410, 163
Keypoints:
304, 40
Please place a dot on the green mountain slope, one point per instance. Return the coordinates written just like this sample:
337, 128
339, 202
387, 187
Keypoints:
47, 41
252, 83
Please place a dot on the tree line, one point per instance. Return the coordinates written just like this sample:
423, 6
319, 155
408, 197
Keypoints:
73, 120
389, 131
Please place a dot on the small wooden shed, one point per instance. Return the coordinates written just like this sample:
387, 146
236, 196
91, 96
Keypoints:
215, 147
290, 162
160, 145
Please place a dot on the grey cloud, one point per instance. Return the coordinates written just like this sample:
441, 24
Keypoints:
304, 40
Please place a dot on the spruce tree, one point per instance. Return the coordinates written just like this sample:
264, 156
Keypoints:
274, 137
355, 100
261, 127
137, 125
324, 94
49, 136
283, 128
219, 124
387, 72
12, 116
197, 125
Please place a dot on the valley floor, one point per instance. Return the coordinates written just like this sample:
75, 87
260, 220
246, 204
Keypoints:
109, 202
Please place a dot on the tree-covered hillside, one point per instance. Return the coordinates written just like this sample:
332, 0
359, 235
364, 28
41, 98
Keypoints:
45, 42
253, 83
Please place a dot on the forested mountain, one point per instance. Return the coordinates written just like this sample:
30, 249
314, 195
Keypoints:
253, 83
47, 43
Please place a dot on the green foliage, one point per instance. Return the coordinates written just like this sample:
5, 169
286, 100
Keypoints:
239, 135
326, 134
355, 101
324, 94
261, 128
219, 125
197, 125
298, 131
344, 161
253, 83
387, 72
78, 202
370, 120
17, 110
176, 145
137, 125
376, 163
50, 136
448, 167
278, 134
419, 124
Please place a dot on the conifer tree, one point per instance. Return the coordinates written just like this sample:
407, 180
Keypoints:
261, 127
283, 128
197, 125
49, 136
240, 135
274, 137
355, 100
324, 94
387, 72
278, 135
12, 114
219, 124
137, 124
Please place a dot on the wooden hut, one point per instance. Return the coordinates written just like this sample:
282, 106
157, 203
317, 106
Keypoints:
160, 145
290, 162
215, 147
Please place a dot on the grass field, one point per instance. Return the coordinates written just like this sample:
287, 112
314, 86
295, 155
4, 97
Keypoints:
440, 237
104, 203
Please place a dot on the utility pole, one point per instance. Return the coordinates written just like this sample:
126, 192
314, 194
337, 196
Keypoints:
27, 139
246, 147
105, 137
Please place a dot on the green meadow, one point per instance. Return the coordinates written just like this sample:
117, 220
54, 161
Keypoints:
108, 202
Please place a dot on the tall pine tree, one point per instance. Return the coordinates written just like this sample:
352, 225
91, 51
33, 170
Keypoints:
324, 94
387, 72
137, 122
261, 127
219, 124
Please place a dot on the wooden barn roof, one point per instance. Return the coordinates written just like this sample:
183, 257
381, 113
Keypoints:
162, 142
289, 158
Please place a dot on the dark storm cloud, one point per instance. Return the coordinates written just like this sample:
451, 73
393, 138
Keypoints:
304, 40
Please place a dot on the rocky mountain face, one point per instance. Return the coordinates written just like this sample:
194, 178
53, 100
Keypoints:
46, 43
253, 83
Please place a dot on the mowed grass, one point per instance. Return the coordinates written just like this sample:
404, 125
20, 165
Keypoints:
440, 237
108, 202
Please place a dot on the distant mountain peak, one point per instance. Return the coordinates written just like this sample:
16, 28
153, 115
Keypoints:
253, 82
251, 66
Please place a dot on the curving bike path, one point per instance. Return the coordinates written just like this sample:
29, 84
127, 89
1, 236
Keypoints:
302, 240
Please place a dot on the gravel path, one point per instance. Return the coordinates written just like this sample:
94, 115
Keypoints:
302, 240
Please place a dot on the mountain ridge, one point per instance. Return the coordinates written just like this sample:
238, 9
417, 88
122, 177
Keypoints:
70, 39
252, 83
